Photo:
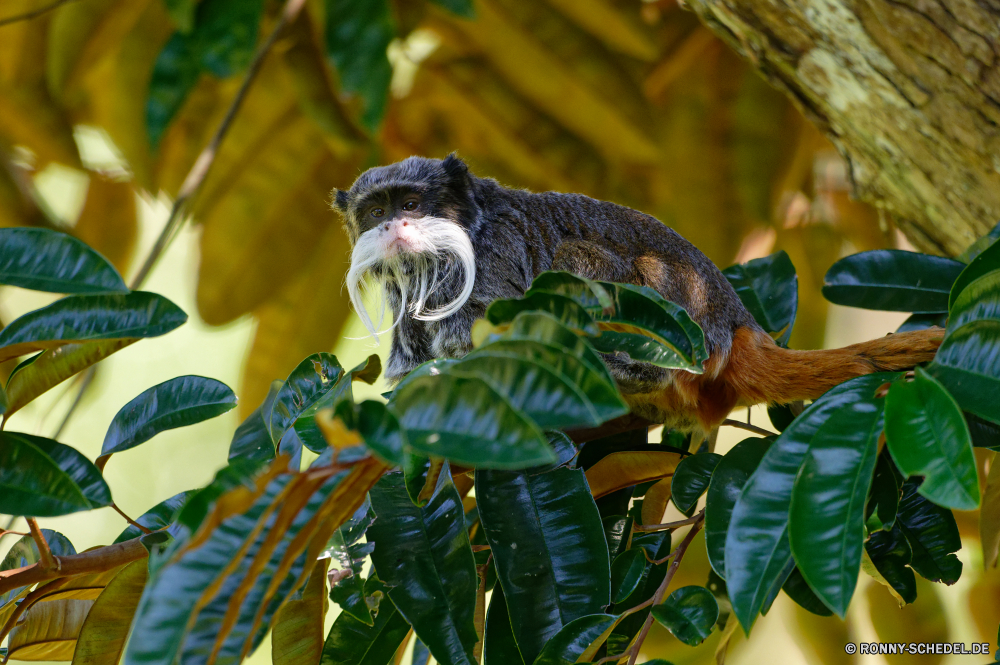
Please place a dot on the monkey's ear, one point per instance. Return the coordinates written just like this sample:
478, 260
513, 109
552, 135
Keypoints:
340, 200
455, 167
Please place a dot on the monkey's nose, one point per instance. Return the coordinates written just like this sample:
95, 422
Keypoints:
386, 226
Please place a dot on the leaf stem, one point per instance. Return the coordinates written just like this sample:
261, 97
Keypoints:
728, 422
48, 561
668, 525
27, 16
658, 596
129, 519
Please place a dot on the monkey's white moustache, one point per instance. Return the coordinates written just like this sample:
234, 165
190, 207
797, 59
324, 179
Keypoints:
434, 243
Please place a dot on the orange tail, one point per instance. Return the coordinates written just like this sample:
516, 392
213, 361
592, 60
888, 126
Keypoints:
760, 371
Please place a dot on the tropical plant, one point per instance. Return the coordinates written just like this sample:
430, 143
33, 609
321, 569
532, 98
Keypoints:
560, 555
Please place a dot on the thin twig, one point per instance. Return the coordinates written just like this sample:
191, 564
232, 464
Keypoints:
128, 519
45, 554
199, 171
612, 659
667, 525
748, 427
658, 596
27, 16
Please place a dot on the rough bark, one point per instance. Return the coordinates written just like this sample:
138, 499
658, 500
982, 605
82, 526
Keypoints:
908, 90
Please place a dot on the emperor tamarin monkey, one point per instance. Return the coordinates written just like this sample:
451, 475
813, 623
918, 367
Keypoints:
441, 244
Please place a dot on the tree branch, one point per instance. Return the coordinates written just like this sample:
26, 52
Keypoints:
27, 16
94, 561
667, 525
48, 561
728, 422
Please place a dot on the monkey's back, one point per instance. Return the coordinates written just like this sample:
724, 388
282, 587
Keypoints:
647, 252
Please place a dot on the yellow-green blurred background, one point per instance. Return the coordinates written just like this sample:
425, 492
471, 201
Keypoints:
624, 100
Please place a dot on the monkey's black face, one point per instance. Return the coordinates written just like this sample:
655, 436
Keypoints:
406, 226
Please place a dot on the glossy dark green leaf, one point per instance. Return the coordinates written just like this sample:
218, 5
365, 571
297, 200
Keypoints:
689, 613
221, 41
342, 392
564, 449
758, 556
417, 470
641, 348
978, 300
252, 440
976, 248
45, 370
85, 318
968, 365
781, 416
379, 428
883, 500
46, 260
421, 654
985, 262
465, 420
626, 573
932, 534
691, 479
351, 642
890, 553
984, 433
159, 517
44, 478
549, 549
309, 382
554, 389
927, 436
923, 321
4, 403
727, 482
797, 589
657, 546
424, 556
892, 280
563, 308
348, 557
499, 647
179, 402
357, 36
240, 472
247, 561
545, 328
826, 526
572, 640
586, 292
769, 289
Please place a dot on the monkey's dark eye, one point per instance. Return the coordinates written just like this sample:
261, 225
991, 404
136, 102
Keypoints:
377, 212
410, 205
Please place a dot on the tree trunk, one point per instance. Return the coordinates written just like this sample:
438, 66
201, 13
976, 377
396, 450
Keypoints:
908, 90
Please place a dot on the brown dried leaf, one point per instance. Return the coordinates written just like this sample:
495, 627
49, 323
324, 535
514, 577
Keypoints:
48, 631
297, 635
627, 468
102, 638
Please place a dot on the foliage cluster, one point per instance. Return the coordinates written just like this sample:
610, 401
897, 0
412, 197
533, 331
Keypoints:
568, 538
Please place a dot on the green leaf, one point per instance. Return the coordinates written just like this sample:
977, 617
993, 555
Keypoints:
308, 383
24, 552
626, 573
987, 261
465, 420
586, 292
892, 280
826, 525
978, 300
968, 365
883, 500
657, 546
499, 647
689, 613
46, 260
554, 389
462, 8
421, 654
379, 428
349, 555
85, 318
691, 479
351, 642
974, 250
179, 402
181, 13
923, 321
548, 546
4, 403
239, 473
724, 489
252, 440
798, 590
769, 289
105, 631
357, 36
572, 640
221, 42
890, 553
927, 436
932, 534
424, 556
43, 478
757, 554
562, 308
45, 370
159, 517
545, 328
342, 392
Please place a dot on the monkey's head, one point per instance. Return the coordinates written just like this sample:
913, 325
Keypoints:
409, 226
